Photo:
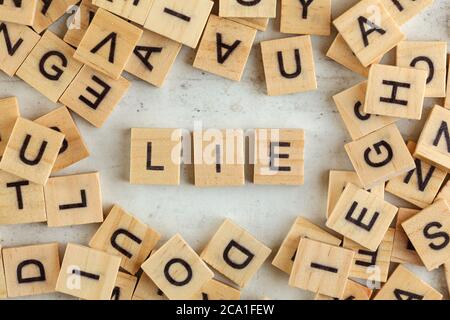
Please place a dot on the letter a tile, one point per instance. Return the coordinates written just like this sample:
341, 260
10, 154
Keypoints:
235, 253
224, 48
362, 217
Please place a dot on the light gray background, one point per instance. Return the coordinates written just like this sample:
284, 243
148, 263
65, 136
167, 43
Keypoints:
190, 95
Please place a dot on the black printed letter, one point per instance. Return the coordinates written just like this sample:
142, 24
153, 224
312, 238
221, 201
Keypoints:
18, 185
274, 156
366, 33
99, 95
245, 251
359, 220
128, 234
428, 235
23, 264
58, 71
24, 147
377, 147
298, 65
171, 279
221, 58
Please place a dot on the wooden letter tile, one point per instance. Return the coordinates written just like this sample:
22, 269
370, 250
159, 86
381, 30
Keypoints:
127, 237
306, 17
124, 287
434, 142
153, 58
108, 43
430, 56
235, 253
420, 185
177, 270
93, 96
405, 285
3, 292
20, 12
49, 11
362, 217
9, 112
87, 273
21, 201
248, 9
403, 250
16, 42
380, 156
182, 21
288, 65
81, 19
155, 156
279, 156
403, 10
367, 263
429, 232
350, 106
302, 228
368, 39
73, 200
31, 270
336, 185
396, 92
136, 11
224, 48
321, 268
73, 148
50, 67
340, 52
219, 157
146, 289
353, 291
31, 151
216, 290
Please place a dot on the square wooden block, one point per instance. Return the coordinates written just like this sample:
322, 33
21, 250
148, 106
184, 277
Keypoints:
124, 286
152, 58
9, 112
420, 185
108, 43
31, 151
321, 268
380, 156
31, 270
288, 65
430, 56
20, 12
177, 270
93, 96
306, 17
3, 291
155, 156
429, 232
396, 92
350, 105
434, 142
340, 52
367, 34
403, 250
146, 289
136, 11
127, 237
369, 264
22, 201
336, 184
186, 19
50, 68
248, 9
48, 12
259, 24
353, 291
87, 273
235, 253
405, 285
16, 42
216, 290
78, 26
278, 156
219, 157
302, 228
73, 148
362, 217
224, 48
403, 10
